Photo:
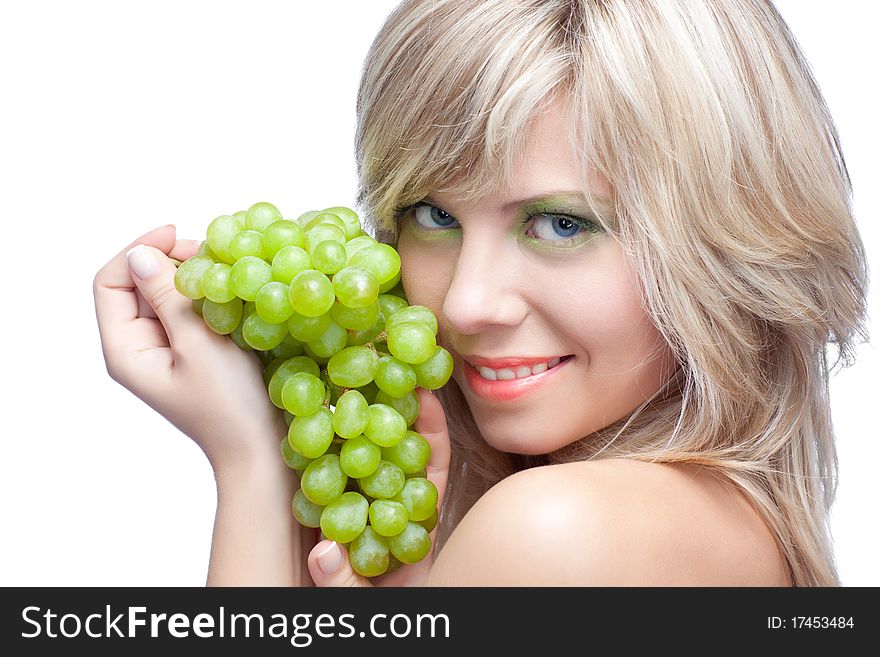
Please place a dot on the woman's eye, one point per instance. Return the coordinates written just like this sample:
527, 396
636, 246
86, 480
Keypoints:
555, 227
430, 216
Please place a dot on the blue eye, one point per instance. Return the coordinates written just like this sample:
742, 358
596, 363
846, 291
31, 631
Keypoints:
558, 227
430, 216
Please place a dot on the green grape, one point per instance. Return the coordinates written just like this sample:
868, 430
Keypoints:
421, 473
217, 283
369, 391
188, 277
419, 496
385, 482
381, 259
311, 435
222, 318
205, 250
411, 545
410, 342
393, 563
306, 329
435, 372
260, 216
306, 512
304, 219
322, 232
327, 218
411, 454
430, 522
248, 275
351, 414
241, 215
388, 517
394, 377
328, 257
323, 480
288, 262
356, 287
356, 338
398, 291
385, 427
311, 293
220, 233
288, 348
355, 319
279, 234
390, 304
273, 302
246, 243
408, 406
262, 335
417, 314
293, 459
389, 284
359, 457
352, 367
197, 306
303, 394
320, 360
356, 244
329, 342
272, 367
369, 554
345, 518
236, 335
350, 219
286, 370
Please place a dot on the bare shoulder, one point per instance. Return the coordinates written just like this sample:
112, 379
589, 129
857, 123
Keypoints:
613, 522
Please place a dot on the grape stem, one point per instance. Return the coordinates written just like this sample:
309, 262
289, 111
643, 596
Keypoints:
379, 339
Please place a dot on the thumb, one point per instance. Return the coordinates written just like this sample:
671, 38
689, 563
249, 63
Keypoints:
153, 275
329, 566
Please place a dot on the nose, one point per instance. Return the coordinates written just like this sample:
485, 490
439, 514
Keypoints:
486, 288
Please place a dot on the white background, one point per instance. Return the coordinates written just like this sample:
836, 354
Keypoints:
117, 117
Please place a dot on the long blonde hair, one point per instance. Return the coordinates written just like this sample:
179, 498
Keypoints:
731, 199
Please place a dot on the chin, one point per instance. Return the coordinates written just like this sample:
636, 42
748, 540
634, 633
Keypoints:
518, 442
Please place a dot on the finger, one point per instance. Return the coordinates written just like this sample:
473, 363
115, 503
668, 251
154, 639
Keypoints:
153, 274
144, 308
184, 249
431, 424
114, 290
329, 566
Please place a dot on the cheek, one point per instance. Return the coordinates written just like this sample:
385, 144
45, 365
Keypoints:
426, 273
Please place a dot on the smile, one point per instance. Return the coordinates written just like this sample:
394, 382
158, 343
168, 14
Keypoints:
509, 383
521, 372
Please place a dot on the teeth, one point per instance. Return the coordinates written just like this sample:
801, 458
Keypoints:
487, 373
522, 372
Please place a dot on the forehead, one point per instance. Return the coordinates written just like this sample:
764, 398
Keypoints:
548, 164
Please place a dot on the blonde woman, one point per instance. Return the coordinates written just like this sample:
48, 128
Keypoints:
632, 221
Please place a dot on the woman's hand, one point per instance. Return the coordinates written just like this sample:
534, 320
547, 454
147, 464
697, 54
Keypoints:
328, 561
156, 346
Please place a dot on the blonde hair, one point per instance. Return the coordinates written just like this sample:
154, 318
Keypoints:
731, 199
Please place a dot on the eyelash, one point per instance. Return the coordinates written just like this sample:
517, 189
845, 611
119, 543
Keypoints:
585, 224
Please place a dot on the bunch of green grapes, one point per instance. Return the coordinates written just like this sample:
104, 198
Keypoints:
320, 301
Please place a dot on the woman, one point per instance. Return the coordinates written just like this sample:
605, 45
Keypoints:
647, 199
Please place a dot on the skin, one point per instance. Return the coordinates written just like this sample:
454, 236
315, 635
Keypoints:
499, 290
611, 522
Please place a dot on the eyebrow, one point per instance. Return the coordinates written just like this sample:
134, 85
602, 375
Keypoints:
565, 196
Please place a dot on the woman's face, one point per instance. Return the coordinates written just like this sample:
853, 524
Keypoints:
520, 279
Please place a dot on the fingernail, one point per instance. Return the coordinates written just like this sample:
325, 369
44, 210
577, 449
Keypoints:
330, 559
142, 262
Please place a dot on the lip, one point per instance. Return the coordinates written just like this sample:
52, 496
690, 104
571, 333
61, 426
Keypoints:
511, 362
501, 391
